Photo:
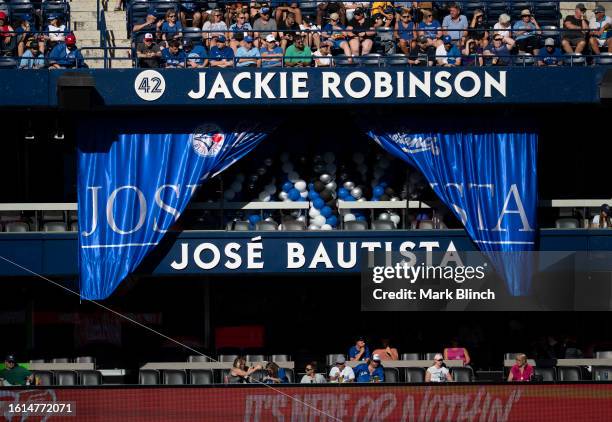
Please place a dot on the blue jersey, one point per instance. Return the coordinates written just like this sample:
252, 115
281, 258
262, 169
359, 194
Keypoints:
226, 53
65, 57
405, 32
551, 57
171, 31
362, 373
197, 54
173, 59
353, 351
430, 29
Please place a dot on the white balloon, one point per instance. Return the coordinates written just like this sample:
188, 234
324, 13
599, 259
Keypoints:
270, 220
287, 167
271, 189
236, 186
329, 157
331, 186
293, 176
284, 157
304, 194
295, 213
362, 199
229, 194
313, 212
395, 198
326, 227
384, 216
349, 185
325, 178
356, 193
395, 218
349, 217
300, 185
282, 195
358, 158
313, 227
240, 177
331, 168
301, 219
319, 220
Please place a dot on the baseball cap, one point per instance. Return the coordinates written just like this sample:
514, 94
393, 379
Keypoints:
549, 42
605, 208
70, 39
52, 16
422, 38
358, 11
148, 36
187, 43
599, 9
248, 39
525, 12
580, 6
340, 359
447, 39
151, 11
270, 38
376, 357
265, 10
2, 15
221, 38
10, 358
334, 16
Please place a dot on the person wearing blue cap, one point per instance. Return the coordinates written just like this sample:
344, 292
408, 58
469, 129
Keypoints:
239, 29
448, 54
603, 219
146, 25
196, 54
55, 32
247, 55
221, 55
264, 26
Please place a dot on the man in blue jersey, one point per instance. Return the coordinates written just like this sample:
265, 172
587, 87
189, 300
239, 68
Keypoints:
66, 55
370, 372
448, 54
173, 56
359, 351
550, 55
221, 55
430, 28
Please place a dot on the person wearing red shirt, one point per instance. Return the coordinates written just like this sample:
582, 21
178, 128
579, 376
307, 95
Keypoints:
521, 371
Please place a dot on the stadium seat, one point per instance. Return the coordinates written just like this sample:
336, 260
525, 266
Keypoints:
574, 59
60, 360
330, 360
193, 34
462, 374
355, 225
85, 359
604, 58
10, 216
201, 377
569, 373
430, 355
74, 226
290, 375
372, 59
37, 361
280, 358
54, 226
603, 354
551, 31
547, 374
342, 60
415, 375
510, 356
52, 216
198, 358
162, 6
294, 225
567, 223
16, 227
410, 356
265, 226
90, 378
43, 377
383, 225
66, 378
239, 226
255, 358
174, 377
524, 59
602, 373
8, 63
392, 375
494, 9
148, 377
396, 60
227, 358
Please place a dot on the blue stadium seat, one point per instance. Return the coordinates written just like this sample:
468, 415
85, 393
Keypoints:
574, 59
396, 60
604, 59
21, 8
193, 34
370, 60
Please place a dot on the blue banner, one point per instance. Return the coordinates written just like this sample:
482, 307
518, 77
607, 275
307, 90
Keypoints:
489, 181
134, 184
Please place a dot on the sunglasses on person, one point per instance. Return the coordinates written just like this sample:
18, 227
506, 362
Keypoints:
439, 360
497, 39
241, 17
405, 16
172, 16
309, 369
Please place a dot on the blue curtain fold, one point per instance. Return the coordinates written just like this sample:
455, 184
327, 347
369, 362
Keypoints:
489, 181
134, 183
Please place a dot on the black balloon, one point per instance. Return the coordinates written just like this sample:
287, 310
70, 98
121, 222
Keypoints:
326, 195
319, 186
385, 197
253, 178
318, 168
261, 171
331, 204
318, 159
389, 191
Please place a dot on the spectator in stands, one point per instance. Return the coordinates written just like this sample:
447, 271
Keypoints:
386, 352
214, 29
424, 54
170, 29
287, 30
341, 372
521, 370
275, 374
240, 373
503, 28
23, 35
478, 30
325, 8
221, 55
247, 55
600, 30
526, 33
603, 219
148, 52
196, 55
550, 55
281, 12
455, 25
311, 33
430, 28
379, 7
55, 33
311, 376
361, 33
323, 57
577, 26
447, 54
297, 54
335, 32
32, 58
498, 53
173, 56
14, 374
370, 371
405, 32
240, 29
271, 53
7, 37
66, 55
232, 10
193, 11
360, 350
264, 26
385, 41
455, 352
472, 54
438, 372
148, 24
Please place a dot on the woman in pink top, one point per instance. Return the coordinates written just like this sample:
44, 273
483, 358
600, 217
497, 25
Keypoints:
457, 353
521, 371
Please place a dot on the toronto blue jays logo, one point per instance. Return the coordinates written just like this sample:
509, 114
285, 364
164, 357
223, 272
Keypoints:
207, 140
412, 145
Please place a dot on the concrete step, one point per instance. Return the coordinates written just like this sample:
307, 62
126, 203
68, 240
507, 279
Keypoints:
92, 16
98, 53
92, 25
111, 43
87, 35
83, 6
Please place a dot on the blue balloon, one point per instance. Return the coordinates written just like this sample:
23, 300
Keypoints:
254, 218
361, 218
287, 186
326, 211
378, 191
375, 199
383, 184
342, 193
349, 198
313, 195
302, 199
318, 203
332, 220
311, 186
294, 194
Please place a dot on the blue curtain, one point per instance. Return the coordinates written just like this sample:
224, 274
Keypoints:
489, 181
134, 183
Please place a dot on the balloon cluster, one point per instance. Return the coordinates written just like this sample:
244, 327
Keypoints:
323, 211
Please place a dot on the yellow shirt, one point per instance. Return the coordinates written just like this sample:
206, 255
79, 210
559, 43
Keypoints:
380, 6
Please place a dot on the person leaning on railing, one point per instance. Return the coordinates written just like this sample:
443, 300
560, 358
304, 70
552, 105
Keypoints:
271, 53
424, 54
603, 219
221, 55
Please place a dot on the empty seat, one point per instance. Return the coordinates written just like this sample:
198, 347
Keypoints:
54, 226
43, 377
193, 34
510, 356
410, 356
37, 361
569, 373
330, 360
567, 223
342, 60
547, 374
524, 59
604, 58
602, 373
462, 374
425, 224
148, 377
294, 225
372, 59
16, 227
415, 375
175, 377
280, 358
198, 358
383, 225
201, 377
90, 378
265, 226
227, 358
66, 378
604, 354
255, 358
85, 359
355, 225
60, 360
10, 216
396, 60
391, 375
430, 355
8, 63
574, 59
53, 215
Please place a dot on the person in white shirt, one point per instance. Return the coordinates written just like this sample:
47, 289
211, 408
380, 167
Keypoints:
341, 372
603, 219
438, 372
601, 27
56, 34
322, 57
503, 28
311, 376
